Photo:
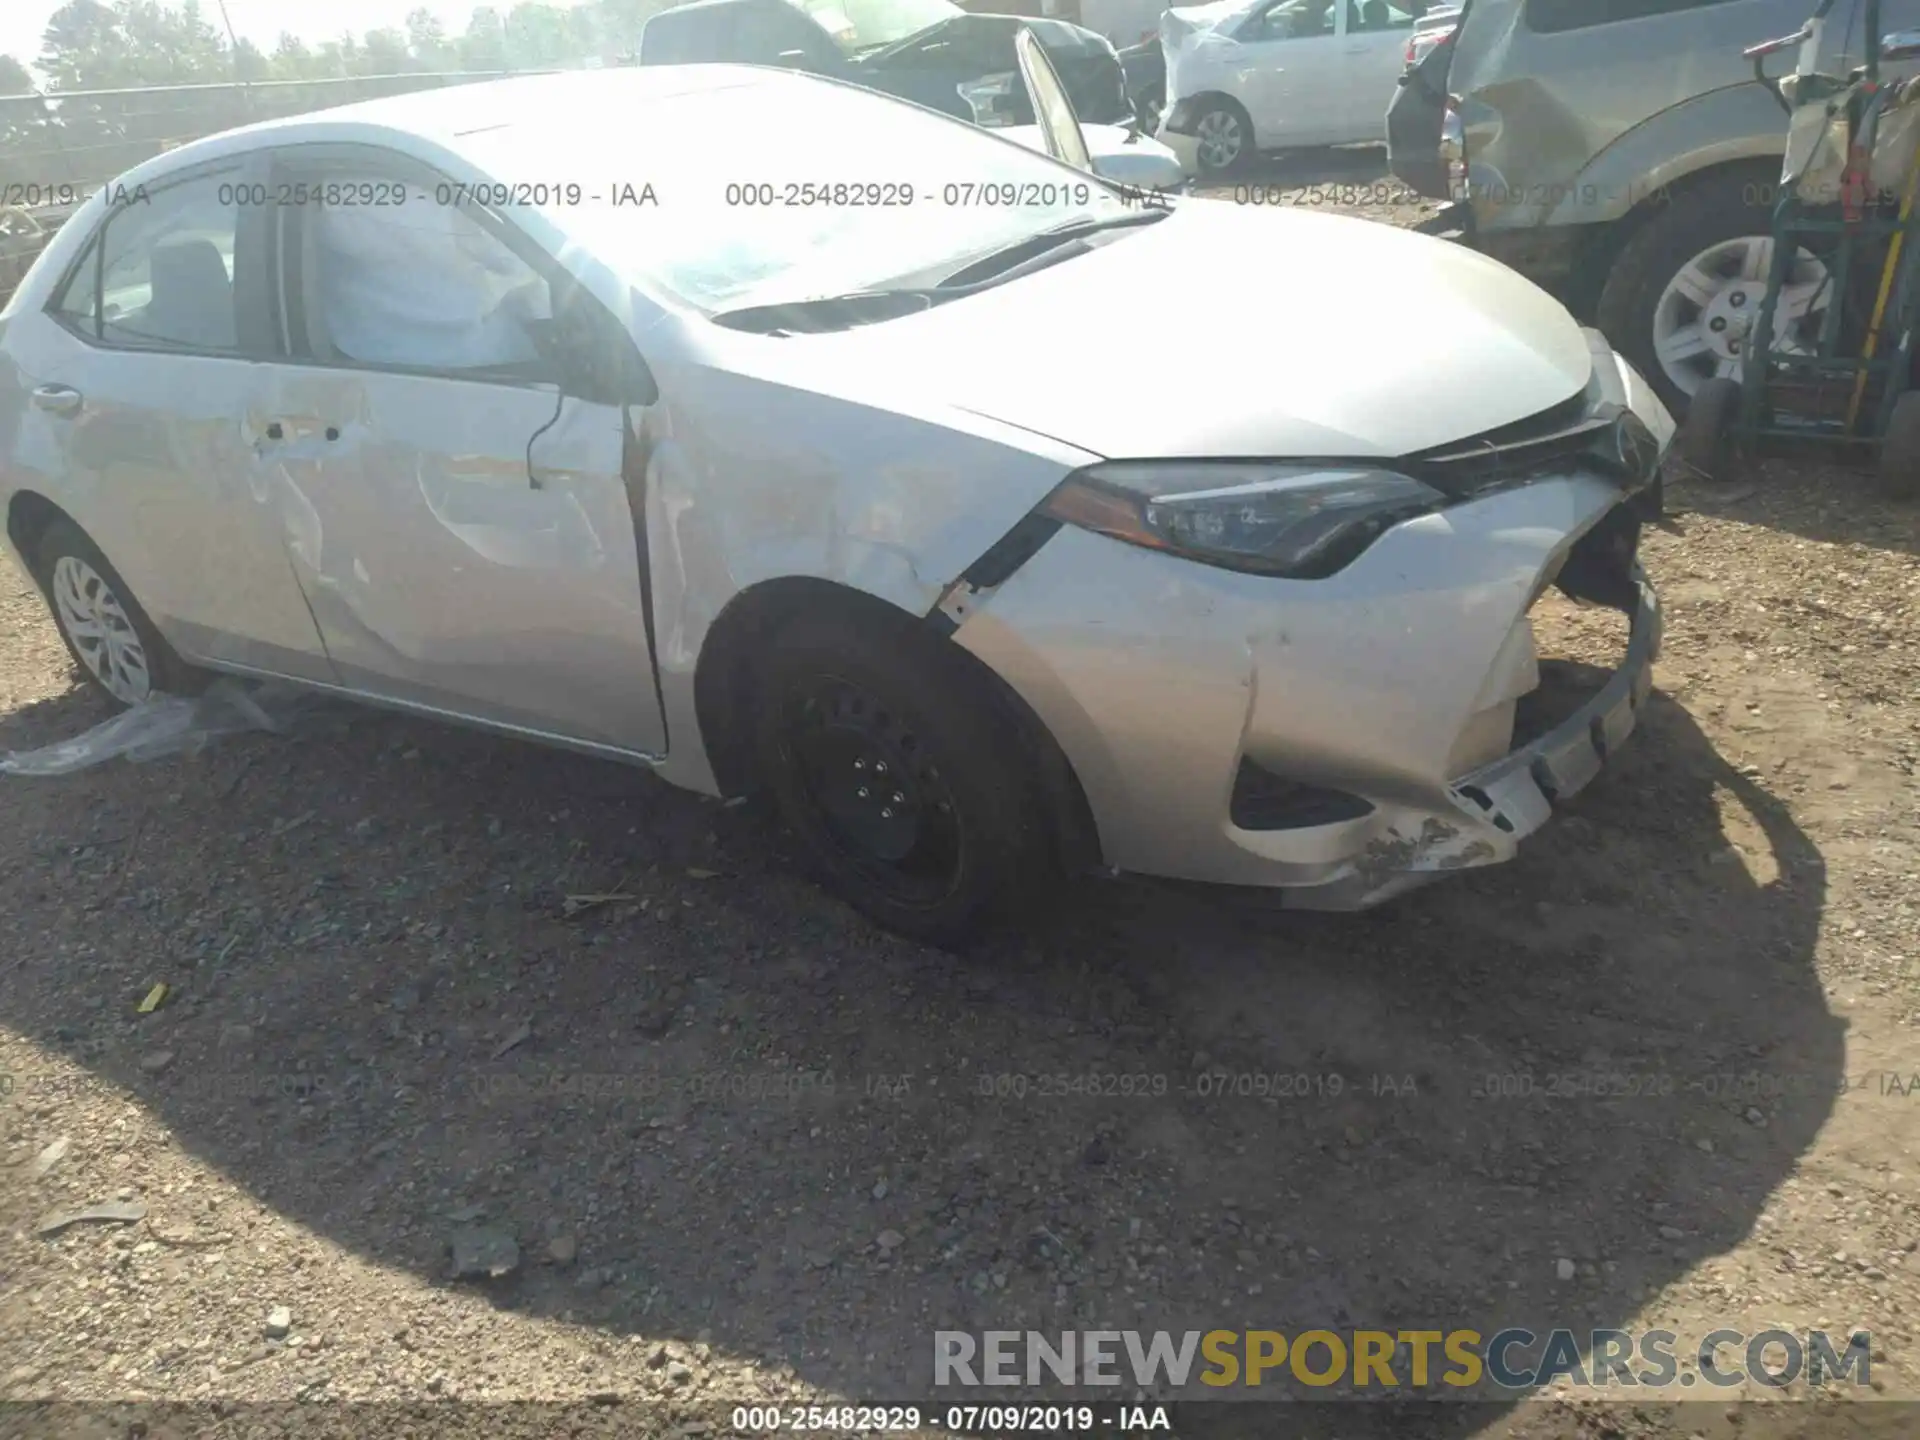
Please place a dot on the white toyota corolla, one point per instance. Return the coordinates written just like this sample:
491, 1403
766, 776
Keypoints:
779, 435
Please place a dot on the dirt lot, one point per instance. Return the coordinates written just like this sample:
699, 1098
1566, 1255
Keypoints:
377, 981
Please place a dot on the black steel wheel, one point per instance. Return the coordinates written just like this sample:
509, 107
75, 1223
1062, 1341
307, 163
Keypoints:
900, 774
875, 788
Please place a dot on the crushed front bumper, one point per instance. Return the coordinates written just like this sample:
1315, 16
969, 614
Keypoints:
1386, 694
1502, 803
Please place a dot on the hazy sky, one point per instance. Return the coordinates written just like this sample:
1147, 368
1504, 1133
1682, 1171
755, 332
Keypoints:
261, 21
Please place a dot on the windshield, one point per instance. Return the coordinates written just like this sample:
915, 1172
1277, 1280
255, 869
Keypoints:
795, 189
857, 25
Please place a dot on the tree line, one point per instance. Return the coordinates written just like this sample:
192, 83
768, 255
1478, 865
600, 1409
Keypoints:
97, 45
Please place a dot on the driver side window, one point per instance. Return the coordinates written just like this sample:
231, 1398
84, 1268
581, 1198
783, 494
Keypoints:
402, 281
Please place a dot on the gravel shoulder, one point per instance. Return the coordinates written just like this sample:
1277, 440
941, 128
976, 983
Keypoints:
744, 1147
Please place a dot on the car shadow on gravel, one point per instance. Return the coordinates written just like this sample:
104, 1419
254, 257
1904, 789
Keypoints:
718, 1108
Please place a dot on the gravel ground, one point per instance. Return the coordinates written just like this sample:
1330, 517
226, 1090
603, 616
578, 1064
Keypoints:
389, 1032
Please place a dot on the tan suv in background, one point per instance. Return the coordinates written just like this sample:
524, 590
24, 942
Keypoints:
1621, 153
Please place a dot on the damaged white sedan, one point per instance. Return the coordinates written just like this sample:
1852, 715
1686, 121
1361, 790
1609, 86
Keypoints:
786, 437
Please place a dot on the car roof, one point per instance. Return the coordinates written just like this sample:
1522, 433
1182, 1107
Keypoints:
442, 117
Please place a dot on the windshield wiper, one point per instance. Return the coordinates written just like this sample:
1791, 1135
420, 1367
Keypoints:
1013, 259
820, 314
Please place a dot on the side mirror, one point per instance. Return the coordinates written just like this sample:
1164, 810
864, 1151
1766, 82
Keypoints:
594, 357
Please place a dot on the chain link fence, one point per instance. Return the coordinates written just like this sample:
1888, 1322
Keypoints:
58, 147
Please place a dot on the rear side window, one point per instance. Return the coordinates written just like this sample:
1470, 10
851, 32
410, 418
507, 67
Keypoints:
160, 274
1553, 16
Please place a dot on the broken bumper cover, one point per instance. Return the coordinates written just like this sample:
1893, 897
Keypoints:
1380, 701
1503, 803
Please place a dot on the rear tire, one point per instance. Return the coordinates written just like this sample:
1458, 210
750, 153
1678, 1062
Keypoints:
905, 782
1900, 450
106, 632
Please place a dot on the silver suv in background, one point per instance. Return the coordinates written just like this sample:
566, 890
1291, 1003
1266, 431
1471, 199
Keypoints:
1620, 153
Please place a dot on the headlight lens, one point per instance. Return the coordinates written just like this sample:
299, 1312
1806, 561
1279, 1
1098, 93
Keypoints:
1299, 521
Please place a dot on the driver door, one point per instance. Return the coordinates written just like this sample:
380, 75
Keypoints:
1052, 108
460, 521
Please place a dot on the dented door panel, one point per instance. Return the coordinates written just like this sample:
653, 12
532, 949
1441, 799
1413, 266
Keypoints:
467, 546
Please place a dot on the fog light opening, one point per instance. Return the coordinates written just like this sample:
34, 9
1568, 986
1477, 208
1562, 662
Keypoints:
1263, 800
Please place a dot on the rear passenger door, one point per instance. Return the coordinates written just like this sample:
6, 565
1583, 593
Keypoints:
143, 373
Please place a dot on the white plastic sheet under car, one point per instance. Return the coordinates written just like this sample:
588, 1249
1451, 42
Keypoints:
169, 725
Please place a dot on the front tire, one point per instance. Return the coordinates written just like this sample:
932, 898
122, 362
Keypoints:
904, 781
106, 632
1686, 286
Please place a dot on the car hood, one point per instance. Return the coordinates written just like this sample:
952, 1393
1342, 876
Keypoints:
1271, 333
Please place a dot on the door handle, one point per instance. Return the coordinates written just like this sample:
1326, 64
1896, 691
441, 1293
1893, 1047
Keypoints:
1356, 49
60, 399
274, 432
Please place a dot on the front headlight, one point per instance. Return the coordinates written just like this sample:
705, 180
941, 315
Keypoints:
1273, 518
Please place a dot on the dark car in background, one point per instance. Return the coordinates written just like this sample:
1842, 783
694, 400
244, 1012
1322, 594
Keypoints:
928, 51
1145, 66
